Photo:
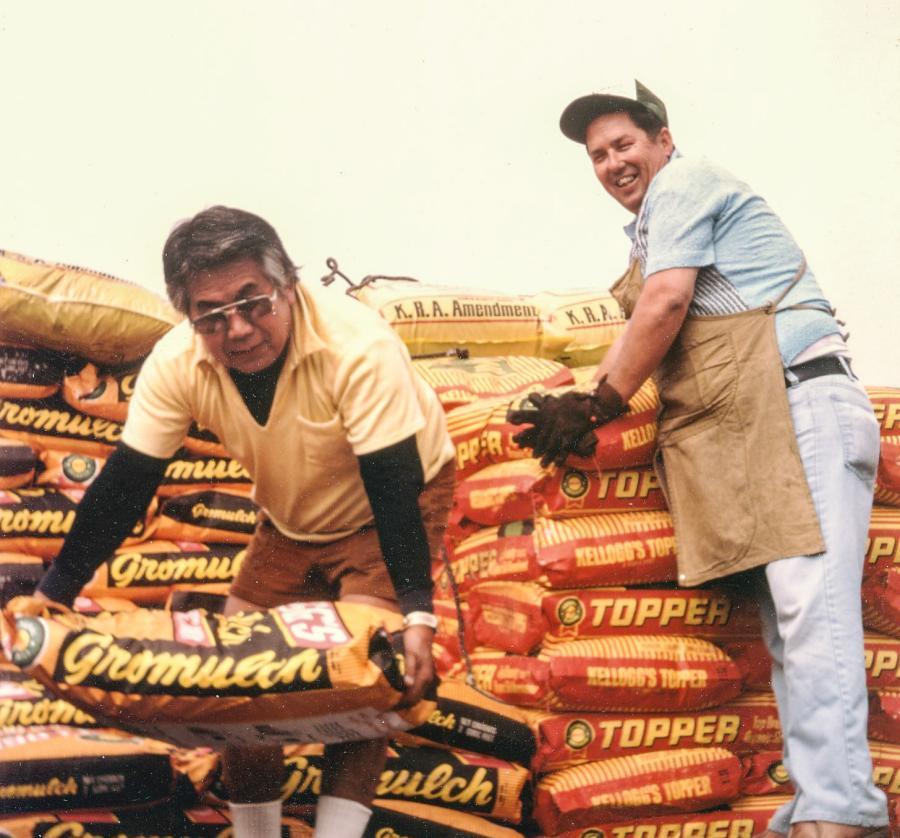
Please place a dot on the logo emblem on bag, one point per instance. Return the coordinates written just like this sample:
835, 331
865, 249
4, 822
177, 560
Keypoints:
579, 734
574, 484
79, 468
570, 611
30, 634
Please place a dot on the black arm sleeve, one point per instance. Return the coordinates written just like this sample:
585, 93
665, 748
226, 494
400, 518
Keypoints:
393, 478
111, 506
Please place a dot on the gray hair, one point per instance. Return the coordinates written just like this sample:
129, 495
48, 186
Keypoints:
219, 236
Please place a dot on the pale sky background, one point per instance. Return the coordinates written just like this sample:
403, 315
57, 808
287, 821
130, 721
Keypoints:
421, 138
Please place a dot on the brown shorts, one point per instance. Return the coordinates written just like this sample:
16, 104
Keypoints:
278, 569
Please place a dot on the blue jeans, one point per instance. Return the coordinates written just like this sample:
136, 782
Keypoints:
811, 614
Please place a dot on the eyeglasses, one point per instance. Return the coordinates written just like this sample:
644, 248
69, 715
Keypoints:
251, 309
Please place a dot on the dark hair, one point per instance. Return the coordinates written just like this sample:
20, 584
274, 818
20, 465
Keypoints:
645, 119
218, 236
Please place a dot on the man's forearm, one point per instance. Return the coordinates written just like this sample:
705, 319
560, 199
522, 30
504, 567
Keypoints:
111, 506
651, 331
393, 480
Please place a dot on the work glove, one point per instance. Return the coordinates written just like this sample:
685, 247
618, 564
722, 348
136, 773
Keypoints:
563, 425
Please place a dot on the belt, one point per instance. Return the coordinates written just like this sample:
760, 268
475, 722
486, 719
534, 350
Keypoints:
826, 365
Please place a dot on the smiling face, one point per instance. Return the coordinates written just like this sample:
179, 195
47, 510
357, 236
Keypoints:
243, 345
625, 158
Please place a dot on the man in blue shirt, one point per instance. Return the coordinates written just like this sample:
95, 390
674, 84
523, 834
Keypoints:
767, 441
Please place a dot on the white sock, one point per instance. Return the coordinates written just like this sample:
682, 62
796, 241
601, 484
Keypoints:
256, 820
338, 817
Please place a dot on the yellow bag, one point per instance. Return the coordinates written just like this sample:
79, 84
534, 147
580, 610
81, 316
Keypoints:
302, 672
79, 312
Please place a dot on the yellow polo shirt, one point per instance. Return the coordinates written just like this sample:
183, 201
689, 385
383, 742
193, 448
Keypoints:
347, 388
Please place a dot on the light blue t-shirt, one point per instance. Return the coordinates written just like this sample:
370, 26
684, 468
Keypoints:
697, 215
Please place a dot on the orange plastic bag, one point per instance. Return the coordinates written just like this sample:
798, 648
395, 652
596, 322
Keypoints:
743, 726
641, 673
682, 780
627, 548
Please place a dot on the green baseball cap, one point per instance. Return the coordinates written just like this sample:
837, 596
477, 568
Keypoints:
584, 110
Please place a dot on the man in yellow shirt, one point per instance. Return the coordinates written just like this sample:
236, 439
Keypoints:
348, 449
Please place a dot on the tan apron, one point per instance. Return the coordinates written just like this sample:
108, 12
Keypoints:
727, 459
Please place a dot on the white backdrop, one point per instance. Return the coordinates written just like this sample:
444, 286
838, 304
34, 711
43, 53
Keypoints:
421, 138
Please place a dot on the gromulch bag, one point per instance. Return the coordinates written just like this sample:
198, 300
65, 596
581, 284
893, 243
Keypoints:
887, 478
221, 516
452, 780
183, 474
592, 322
147, 572
78, 311
36, 521
741, 726
681, 780
883, 543
27, 373
522, 489
396, 819
60, 768
884, 716
628, 548
308, 671
25, 702
462, 381
186, 474
434, 318
19, 575
886, 404
156, 822
52, 424
100, 392
640, 673
881, 602
467, 719
517, 617
18, 464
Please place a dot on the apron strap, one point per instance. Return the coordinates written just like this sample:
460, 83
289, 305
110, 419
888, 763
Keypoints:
772, 307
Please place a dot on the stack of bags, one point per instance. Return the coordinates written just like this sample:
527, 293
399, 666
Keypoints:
582, 689
71, 344
650, 706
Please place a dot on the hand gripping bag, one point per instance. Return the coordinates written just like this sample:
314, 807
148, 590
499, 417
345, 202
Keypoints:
302, 672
